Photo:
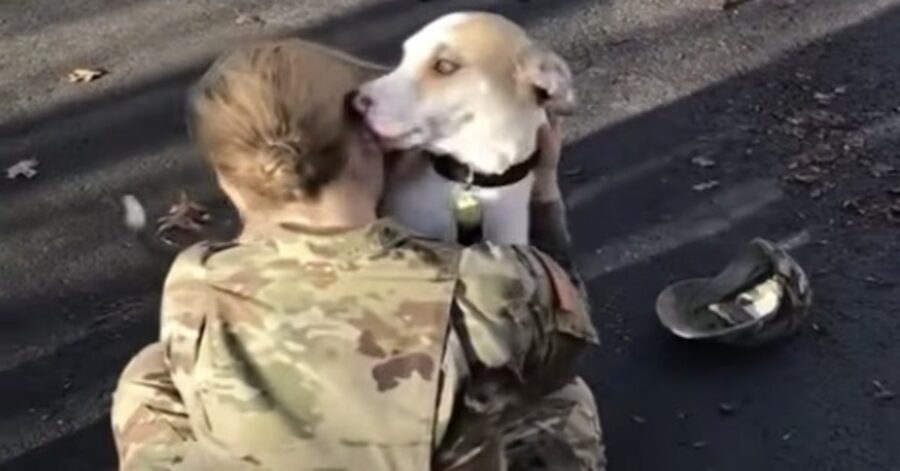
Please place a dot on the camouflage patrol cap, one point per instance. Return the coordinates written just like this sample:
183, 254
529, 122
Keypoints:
762, 295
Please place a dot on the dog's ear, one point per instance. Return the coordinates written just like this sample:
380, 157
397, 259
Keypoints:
550, 77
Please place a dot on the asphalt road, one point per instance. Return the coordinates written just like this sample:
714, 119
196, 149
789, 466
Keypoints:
797, 102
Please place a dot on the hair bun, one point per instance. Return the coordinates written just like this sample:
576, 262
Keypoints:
286, 157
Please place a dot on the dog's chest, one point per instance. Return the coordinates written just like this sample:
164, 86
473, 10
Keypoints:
429, 203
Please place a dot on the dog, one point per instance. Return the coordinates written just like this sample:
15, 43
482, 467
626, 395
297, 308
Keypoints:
472, 90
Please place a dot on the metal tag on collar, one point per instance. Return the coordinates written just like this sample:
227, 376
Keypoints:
466, 206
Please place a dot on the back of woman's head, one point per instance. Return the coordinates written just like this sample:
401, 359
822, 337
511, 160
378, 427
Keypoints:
270, 116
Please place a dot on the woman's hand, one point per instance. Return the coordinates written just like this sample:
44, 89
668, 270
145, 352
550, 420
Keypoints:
550, 141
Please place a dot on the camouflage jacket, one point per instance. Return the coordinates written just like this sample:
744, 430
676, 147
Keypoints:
369, 349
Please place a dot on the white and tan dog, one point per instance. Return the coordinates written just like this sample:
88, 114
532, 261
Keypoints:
474, 89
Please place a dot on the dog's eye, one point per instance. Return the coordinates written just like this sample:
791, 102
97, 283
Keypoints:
445, 67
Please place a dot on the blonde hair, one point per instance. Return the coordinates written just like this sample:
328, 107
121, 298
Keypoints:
271, 116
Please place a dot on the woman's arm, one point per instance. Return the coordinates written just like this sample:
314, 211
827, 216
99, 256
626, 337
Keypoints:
150, 422
549, 231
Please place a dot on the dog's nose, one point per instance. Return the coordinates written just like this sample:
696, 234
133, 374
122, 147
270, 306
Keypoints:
362, 102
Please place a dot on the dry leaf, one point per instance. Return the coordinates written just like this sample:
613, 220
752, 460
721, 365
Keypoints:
882, 392
703, 162
706, 185
84, 75
135, 216
24, 168
185, 215
247, 19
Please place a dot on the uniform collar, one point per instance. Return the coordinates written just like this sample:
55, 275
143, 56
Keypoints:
336, 243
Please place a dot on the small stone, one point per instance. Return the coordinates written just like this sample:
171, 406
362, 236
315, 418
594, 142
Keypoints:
706, 186
703, 162
638, 419
805, 177
823, 98
698, 445
727, 408
135, 217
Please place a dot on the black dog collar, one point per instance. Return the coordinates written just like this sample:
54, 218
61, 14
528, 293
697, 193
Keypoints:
456, 171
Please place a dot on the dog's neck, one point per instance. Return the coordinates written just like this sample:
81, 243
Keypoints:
450, 168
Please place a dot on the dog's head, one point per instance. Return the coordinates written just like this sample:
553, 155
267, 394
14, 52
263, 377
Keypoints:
472, 85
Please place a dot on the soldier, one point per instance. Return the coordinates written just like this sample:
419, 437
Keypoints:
325, 337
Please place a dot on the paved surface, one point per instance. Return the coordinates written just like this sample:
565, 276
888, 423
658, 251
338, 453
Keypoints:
769, 90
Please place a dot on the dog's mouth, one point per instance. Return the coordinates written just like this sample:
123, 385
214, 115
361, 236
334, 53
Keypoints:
372, 141
390, 139
398, 142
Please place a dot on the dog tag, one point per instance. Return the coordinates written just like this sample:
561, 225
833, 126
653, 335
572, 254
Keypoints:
466, 208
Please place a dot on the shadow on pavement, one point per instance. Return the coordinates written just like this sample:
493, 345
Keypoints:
639, 225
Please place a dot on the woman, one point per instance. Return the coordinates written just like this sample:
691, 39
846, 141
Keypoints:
325, 337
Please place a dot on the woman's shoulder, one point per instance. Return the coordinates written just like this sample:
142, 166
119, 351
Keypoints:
501, 274
192, 262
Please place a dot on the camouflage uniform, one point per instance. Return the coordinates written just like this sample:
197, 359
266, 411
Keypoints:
362, 350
